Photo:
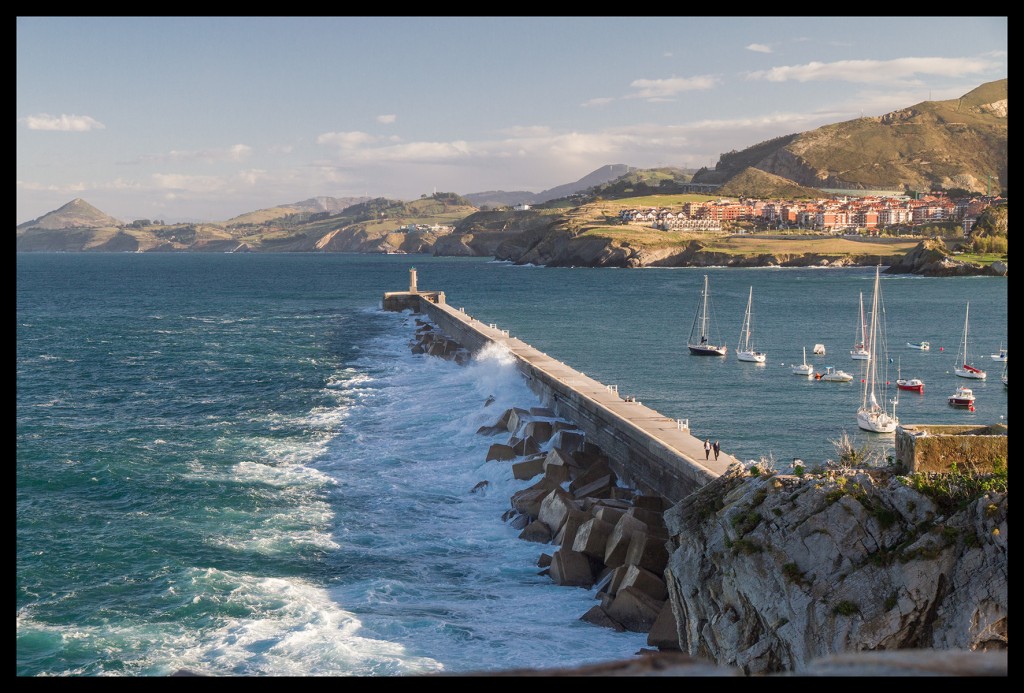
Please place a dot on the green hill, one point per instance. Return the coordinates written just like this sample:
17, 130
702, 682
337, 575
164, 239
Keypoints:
75, 214
959, 143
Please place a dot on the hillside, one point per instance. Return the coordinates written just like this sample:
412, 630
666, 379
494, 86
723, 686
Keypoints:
501, 198
959, 143
75, 214
314, 205
752, 182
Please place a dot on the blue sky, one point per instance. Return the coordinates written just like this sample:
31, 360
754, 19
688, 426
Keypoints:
202, 119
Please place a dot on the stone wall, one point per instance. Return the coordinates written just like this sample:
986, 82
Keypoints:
928, 448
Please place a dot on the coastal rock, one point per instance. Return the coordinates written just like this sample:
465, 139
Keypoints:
867, 563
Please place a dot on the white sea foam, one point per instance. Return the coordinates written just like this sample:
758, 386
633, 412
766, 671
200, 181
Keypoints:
435, 568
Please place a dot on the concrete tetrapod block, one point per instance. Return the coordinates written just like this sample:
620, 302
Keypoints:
592, 537
567, 440
645, 581
536, 531
591, 474
618, 542
540, 431
598, 488
528, 468
526, 446
517, 418
648, 551
571, 568
597, 616
664, 633
608, 513
558, 473
566, 536
555, 508
655, 503
634, 609
501, 452
527, 501
651, 518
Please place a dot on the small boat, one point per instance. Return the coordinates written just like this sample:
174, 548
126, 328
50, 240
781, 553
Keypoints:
908, 384
922, 346
702, 346
860, 352
963, 367
963, 397
819, 349
1004, 378
834, 375
872, 415
745, 350
1000, 355
803, 368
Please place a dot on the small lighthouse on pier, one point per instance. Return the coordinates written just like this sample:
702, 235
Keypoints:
412, 280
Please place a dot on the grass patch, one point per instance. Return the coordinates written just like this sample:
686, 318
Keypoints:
846, 608
957, 488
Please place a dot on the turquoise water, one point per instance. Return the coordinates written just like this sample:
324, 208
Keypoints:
233, 464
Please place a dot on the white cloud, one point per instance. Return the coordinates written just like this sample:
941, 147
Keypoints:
188, 183
599, 101
387, 119
667, 88
62, 123
413, 152
759, 48
526, 131
346, 140
900, 70
236, 152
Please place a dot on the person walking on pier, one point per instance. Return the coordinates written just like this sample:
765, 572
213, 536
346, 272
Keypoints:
707, 448
717, 449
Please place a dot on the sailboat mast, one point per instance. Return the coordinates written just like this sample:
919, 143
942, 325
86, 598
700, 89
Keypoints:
966, 314
704, 310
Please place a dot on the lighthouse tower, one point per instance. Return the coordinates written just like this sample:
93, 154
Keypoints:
412, 280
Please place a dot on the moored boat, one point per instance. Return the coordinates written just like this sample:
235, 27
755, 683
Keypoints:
963, 397
803, 368
699, 342
834, 375
922, 346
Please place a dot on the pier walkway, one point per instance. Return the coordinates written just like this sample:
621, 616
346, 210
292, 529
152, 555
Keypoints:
651, 451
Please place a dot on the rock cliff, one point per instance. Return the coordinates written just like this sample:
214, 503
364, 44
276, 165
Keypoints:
770, 573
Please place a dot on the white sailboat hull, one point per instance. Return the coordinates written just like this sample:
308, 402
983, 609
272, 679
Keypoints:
707, 350
876, 421
974, 374
804, 370
752, 356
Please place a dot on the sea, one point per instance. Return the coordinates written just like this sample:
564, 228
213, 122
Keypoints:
234, 465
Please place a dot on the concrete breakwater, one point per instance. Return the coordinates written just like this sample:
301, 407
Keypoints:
648, 451
756, 572
605, 535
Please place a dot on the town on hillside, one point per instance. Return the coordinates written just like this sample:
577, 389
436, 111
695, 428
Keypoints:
871, 215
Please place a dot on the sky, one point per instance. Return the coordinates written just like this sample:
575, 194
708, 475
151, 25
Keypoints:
187, 119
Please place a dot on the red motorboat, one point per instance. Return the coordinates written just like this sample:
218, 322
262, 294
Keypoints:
910, 384
963, 397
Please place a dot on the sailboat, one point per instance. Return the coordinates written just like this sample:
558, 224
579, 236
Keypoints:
872, 416
860, 349
1005, 383
803, 368
699, 342
744, 350
910, 384
963, 367
999, 355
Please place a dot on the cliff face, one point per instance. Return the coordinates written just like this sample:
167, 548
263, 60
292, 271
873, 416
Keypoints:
769, 573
